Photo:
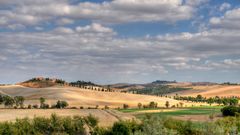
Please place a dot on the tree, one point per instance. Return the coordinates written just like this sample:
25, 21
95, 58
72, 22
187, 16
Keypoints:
108, 88
199, 98
167, 104
225, 101
64, 104
181, 104
139, 105
230, 110
210, 101
19, 101
42, 102
125, 106
233, 101
152, 105
61, 104
218, 100
1, 99
8, 101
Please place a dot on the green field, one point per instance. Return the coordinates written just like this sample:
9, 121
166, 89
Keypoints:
191, 111
131, 110
203, 110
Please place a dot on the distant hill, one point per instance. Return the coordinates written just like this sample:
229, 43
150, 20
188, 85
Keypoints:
126, 86
210, 90
40, 82
158, 87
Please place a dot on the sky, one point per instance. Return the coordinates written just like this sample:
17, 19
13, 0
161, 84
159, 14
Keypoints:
120, 41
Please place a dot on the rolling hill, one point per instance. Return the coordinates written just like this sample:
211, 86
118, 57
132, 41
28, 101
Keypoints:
81, 97
211, 91
171, 88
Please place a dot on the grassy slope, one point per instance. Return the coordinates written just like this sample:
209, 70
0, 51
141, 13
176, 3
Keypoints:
204, 110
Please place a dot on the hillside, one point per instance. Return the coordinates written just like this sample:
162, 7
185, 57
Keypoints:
129, 87
206, 89
40, 82
81, 97
211, 91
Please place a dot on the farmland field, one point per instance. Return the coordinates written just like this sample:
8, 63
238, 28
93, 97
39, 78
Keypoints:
106, 118
201, 113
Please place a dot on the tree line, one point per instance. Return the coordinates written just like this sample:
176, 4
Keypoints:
18, 102
218, 100
159, 90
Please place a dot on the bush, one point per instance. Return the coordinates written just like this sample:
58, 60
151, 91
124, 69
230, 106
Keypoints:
106, 107
230, 110
35, 106
61, 104
152, 105
120, 128
29, 107
125, 106
92, 122
45, 126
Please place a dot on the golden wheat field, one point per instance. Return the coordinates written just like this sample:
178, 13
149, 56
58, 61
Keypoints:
77, 97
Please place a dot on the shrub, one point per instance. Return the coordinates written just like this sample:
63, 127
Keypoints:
139, 105
230, 110
101, 131
91, 121
46, 106
54, 125
152, 105
106, 107
29, 107
1, 99
125, 106
19, 101
8, 101
41, 124
42, 102
61, 104
35, 106
23, 127
120, 128
167, 104
6, 128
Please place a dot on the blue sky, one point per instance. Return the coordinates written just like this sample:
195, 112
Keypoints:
131, 41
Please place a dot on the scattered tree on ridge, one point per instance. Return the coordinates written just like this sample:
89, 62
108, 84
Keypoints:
139, 105
167, 104
19, 100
